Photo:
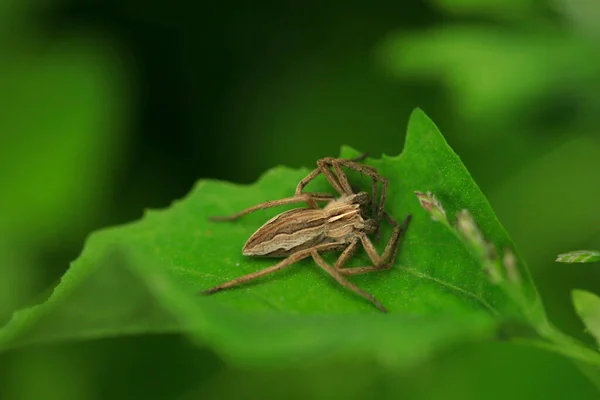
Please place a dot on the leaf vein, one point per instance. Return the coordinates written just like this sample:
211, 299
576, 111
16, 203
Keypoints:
455, 288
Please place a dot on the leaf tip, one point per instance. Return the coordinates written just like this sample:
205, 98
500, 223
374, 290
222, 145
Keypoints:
423, 135
419, 115
418, 112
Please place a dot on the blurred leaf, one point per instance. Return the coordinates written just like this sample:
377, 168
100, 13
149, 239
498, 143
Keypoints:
60, 138
16, 19
526, 67
555, 189
582, 14
58, 118
579, 256
508, 8
142, 277
17, 280
588, 307
470, 372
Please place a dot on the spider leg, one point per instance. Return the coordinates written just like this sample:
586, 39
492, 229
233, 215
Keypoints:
309, 198
328, 175
349, 271
292, 259
360, 158
347, 254
342, 281
342, 177
324, 169
383, 262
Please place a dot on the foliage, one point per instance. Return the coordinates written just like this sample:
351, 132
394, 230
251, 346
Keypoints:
512, 84
437, 292
59, 116
140, 278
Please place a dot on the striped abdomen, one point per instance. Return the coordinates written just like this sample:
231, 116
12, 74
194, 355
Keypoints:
287, 233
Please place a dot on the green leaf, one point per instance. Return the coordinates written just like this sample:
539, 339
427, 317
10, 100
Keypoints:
579, 256
60, 111
527, 67
142, 277
510, 9
587, 306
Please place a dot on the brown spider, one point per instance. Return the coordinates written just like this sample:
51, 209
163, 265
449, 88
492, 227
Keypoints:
340, 225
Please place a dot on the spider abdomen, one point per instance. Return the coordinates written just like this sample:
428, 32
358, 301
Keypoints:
287, 233
303, 228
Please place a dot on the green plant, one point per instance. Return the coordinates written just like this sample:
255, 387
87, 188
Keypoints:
452, 283
587, 304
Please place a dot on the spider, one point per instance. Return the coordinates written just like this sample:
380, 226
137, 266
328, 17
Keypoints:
341, 225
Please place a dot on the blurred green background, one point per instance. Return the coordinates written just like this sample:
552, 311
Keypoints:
109, 107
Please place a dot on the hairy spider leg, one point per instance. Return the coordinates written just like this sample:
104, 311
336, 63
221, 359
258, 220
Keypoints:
291, 259
330, 177
309, 198
335, 273
383, 262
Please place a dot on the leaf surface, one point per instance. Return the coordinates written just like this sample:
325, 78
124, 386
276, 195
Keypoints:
142, 277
